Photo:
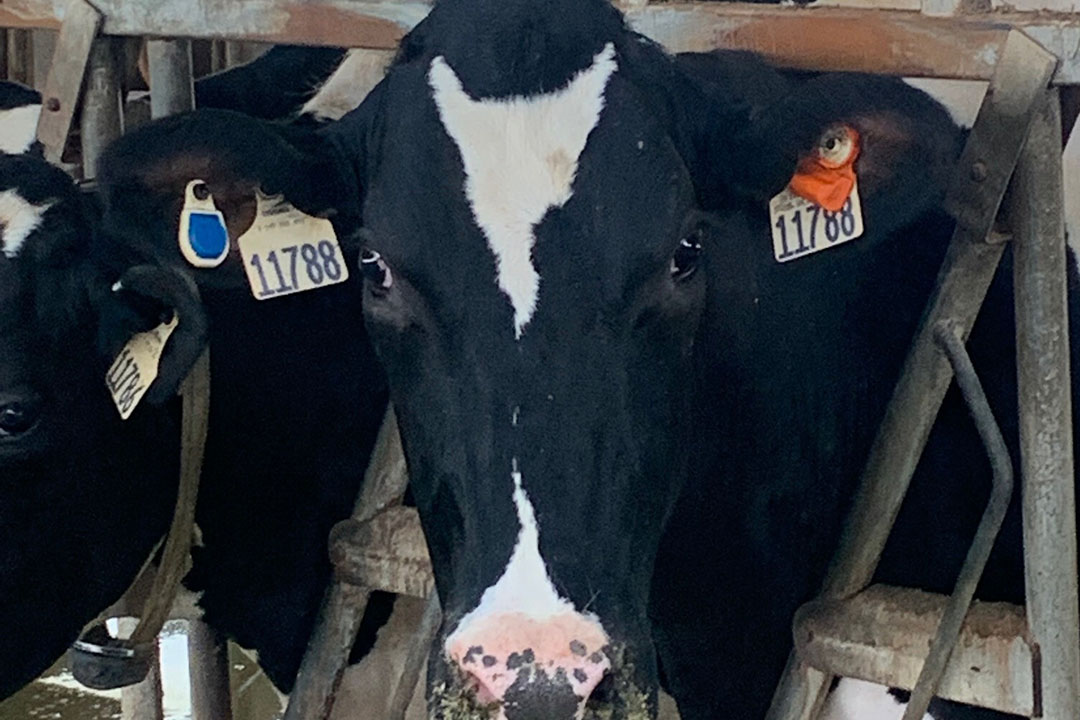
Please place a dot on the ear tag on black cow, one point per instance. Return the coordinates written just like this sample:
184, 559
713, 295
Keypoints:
203, 237
287, 251
136, 367
801, 228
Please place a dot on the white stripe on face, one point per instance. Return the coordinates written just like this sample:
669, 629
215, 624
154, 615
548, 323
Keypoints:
348, 85
520, 156
18, 219
861, 700
18, 128
525, 588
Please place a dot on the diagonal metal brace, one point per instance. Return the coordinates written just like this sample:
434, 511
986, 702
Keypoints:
64, 82
979, 183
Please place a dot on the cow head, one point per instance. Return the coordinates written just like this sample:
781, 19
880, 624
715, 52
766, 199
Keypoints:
83, 496
529, 183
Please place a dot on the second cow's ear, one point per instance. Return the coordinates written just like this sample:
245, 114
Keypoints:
145, 297
754, 146
144, 176
903, 143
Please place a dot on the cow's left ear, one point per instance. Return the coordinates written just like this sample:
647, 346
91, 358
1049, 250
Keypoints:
899, 142
145, 297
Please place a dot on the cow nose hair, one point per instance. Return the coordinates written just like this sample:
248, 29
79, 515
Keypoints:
536, 669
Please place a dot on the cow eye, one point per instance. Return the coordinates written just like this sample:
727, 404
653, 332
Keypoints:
376, 272
18, 417
686, 258
837, 145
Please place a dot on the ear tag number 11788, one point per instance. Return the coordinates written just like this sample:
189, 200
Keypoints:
286, 251
801, 228
136, 367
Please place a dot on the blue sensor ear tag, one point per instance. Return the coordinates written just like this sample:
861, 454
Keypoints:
203, 237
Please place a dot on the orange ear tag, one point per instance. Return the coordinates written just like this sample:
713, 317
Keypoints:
827, 177
820, 208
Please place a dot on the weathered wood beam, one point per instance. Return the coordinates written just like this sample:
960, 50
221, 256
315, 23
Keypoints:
898, 42
882, 635
345, 23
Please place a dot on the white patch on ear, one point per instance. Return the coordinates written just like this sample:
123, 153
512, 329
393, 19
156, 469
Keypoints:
525, 588
18, 128
18, 219
861, 700
520, 156
357, 74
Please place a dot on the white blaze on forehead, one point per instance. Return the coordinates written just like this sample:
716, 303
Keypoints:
520, 156
18, 219
18, 128
349, 84
525, 588
861, 700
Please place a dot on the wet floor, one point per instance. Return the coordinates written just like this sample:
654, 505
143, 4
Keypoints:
59, 697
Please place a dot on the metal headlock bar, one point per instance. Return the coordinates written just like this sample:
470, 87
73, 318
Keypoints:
1022, 660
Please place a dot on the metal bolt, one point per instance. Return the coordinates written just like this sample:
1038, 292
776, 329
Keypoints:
53, 104
978, 171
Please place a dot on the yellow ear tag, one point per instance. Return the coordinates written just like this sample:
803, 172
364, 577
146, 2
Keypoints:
287, 251
136, 367
801, 228
203, 237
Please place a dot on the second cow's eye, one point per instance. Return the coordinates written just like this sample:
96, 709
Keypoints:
687, 257
376, 271
18, 417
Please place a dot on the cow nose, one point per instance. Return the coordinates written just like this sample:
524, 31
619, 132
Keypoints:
537, 669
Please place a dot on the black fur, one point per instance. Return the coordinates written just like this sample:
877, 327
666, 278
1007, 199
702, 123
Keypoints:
756, 384
83, 496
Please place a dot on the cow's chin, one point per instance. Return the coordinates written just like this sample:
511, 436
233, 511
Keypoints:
622, 695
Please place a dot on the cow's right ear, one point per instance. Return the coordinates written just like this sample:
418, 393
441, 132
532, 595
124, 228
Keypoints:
143, 175
145, 297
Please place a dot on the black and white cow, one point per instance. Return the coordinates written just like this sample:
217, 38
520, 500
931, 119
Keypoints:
297, 401
286, 452
84, 497
599, 367
20, 108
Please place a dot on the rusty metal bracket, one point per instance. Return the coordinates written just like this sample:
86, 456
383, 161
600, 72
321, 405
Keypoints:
987, 162
64, 82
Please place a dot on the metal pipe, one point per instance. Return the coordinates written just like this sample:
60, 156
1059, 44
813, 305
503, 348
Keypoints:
102, 116
969, 267
142, 701
948, 339
208, 663
42, 51
172, 89
1046, 452
20, 60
